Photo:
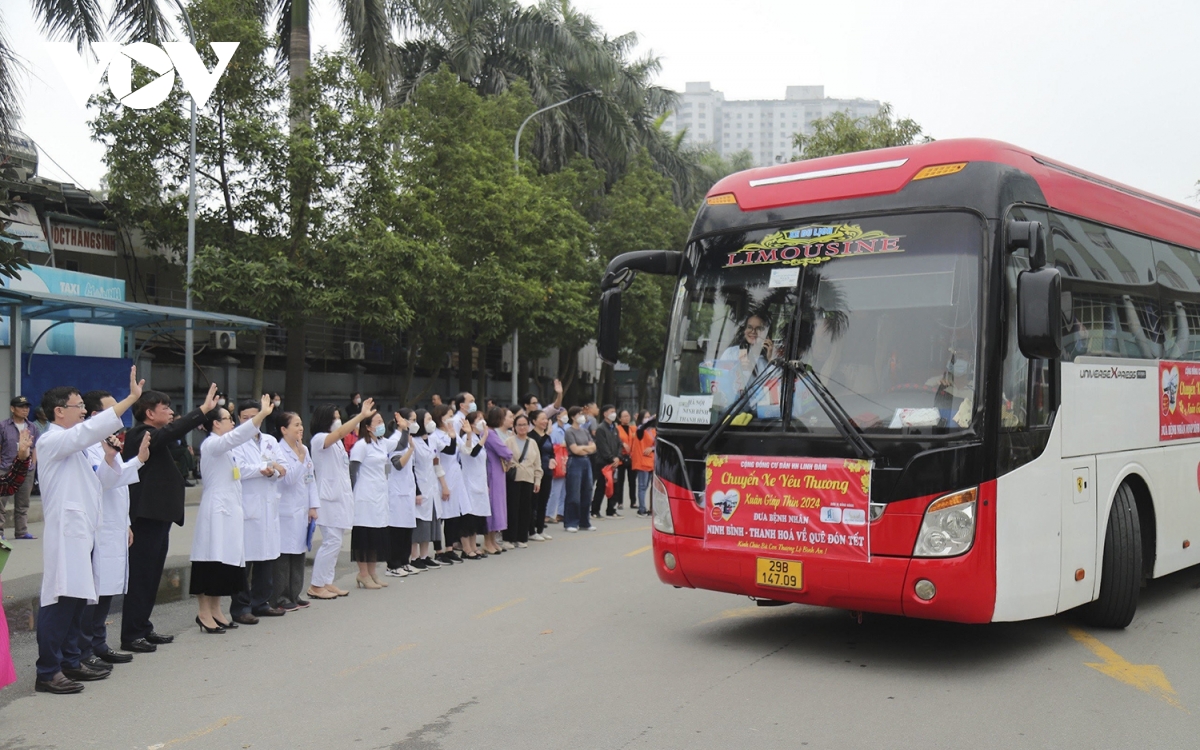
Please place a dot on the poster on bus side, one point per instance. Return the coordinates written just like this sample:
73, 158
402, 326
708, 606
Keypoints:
801, 507
1179, 400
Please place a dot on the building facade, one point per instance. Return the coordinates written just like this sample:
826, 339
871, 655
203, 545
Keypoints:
763, 127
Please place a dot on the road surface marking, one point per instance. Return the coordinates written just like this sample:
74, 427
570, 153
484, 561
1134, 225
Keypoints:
498, 607
196, 734
1148, 678
637, 552
575, 578
376, 659
730, 614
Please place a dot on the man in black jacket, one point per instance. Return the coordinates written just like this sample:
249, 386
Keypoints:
155, 502
608, 452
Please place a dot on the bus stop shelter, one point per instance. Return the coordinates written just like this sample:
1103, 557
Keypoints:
24, 306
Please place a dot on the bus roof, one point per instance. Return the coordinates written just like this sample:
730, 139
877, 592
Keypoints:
883, 171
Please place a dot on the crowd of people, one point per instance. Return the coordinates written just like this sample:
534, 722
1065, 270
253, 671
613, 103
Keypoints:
418, 490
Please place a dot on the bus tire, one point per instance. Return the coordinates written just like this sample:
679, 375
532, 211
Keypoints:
1121, 574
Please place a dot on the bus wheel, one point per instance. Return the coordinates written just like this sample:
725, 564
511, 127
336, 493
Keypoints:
1121, 576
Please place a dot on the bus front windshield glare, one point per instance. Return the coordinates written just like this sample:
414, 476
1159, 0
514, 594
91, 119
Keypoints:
884, 310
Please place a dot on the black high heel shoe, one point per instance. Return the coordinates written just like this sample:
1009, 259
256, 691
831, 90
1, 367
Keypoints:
206, 629
231, 625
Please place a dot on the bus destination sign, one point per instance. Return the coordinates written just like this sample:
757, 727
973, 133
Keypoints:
1179, 400
789, 506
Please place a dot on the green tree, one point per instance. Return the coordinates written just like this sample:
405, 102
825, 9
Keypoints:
839, 133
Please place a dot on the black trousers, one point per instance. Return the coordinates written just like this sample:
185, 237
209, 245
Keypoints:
147, 556
58, 636
540, 499
93, 633
598, 495
620, 481
255, 595
520, 512
400, 543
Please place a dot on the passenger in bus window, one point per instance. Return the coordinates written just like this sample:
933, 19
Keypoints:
752, 349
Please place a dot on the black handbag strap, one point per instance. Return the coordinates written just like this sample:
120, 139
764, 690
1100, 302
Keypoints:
524, 451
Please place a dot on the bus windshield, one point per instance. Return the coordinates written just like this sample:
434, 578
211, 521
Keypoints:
884, 310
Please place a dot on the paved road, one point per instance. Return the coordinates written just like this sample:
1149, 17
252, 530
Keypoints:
574, 643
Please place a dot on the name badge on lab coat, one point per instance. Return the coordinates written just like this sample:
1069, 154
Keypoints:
237, 474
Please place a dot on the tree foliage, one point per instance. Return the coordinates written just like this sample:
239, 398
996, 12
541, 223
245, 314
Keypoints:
839, 133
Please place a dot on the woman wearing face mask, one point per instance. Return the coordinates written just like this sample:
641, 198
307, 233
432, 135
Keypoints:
453, 499
499, 421
369, 542
474, 461
429, 487
526, 481
558, 487
402, 496
541, 496
331, 467
579, 473
218, 555
298, 504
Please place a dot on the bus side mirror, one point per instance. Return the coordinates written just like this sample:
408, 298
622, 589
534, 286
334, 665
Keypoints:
608, 341
1039, 313
1027, 234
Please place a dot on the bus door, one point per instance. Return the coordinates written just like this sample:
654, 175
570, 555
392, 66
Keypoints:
1077, 503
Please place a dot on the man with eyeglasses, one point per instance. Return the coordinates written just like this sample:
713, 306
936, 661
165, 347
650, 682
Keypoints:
71, 499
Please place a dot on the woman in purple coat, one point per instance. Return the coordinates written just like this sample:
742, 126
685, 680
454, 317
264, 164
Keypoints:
498, 458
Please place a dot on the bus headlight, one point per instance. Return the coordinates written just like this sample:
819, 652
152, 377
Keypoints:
662, 506
948, 528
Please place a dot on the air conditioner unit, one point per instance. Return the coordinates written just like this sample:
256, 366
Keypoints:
354, 350
223, 340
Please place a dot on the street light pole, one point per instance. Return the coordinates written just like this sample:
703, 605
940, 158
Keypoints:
517, 167
189, 334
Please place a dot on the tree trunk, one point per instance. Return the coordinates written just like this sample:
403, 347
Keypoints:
466, 367
260, 362
427, 389
410, 367
481, 376
294, 385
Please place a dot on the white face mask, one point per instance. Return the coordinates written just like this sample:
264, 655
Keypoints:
479, 425
610, 416
337, 425
430, 426
470, 406
580, 419
447, 420
413, 428
563, 419
380, 430
220, 402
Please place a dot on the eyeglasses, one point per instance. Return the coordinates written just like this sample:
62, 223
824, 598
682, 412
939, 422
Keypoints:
756, 329
71, 406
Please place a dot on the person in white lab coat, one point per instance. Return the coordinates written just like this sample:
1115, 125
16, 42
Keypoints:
453, 500
369, 468
110, 557
261, 471
402, 496
331, 466
298, 504
71, 501
218, 548
473, 458
428, 488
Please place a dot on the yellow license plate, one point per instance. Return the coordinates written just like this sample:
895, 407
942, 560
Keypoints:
782, 574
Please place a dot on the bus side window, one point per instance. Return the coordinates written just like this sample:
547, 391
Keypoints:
1179, 295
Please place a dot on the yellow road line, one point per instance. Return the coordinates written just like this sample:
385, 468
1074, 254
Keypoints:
498, 607
197, 734
730, 614
637, 552
376, 659
579, 576
1149, 678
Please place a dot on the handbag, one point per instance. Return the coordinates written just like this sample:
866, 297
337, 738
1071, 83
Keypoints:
560, 461
607, 471
512, 473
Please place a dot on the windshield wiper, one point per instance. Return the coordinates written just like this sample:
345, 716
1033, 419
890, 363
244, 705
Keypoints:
833, 409
741, 401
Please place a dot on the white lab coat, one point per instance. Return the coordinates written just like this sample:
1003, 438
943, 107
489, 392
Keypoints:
332, 468
220, 526
371, 484
260, 498
71, 501
402, 489
297, 494
458, 503
110, 556
474, 469
426, 479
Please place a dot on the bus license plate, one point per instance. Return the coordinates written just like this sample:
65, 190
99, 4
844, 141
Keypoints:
782, 574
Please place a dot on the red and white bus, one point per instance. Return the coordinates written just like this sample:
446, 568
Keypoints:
990, 364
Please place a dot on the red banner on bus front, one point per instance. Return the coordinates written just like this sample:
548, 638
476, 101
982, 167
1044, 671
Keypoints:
801, 507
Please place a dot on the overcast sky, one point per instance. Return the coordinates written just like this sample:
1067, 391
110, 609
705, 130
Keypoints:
1106, 85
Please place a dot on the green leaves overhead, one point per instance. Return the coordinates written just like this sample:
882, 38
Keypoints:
840, 133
